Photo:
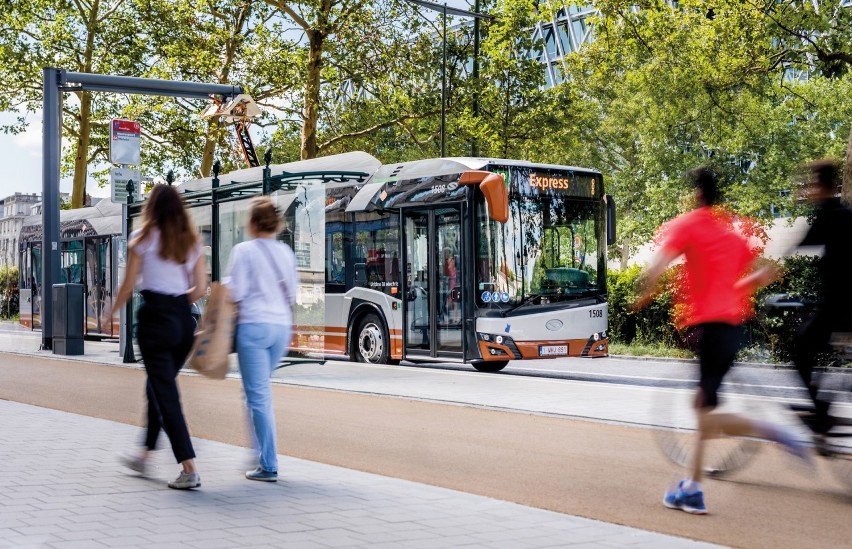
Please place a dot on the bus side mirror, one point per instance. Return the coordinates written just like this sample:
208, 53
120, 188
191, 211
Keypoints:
610, 220
493, 186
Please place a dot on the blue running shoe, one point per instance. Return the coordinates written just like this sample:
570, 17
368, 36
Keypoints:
676, 498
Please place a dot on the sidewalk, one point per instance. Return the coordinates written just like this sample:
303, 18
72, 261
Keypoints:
62, 487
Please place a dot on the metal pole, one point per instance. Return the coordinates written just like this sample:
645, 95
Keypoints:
214, 216
474, 146
150, 86
129, 355
444, 90
51, 150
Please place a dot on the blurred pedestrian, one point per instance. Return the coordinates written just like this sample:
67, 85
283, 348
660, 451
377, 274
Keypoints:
832, 230
722, 272
262, 278
165, 261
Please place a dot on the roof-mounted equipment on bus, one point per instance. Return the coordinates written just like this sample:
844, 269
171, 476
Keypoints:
239, 111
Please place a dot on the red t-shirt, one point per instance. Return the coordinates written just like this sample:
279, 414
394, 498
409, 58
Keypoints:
716, 258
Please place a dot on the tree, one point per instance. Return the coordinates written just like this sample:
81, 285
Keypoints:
223, 42
514, 106
663, 89
815, 38
362, 66
77, 35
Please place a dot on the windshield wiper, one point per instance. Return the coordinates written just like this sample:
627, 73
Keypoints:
523, 302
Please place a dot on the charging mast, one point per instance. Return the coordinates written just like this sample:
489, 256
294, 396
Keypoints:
57, 82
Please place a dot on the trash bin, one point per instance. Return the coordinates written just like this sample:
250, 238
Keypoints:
68, 310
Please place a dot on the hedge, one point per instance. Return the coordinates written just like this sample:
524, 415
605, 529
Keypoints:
770, 329
8, 292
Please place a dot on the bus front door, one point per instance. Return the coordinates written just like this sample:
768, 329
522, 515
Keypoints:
433, 315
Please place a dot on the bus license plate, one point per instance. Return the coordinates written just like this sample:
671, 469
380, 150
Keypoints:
552, 350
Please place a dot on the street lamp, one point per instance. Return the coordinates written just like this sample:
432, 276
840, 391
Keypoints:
444, 9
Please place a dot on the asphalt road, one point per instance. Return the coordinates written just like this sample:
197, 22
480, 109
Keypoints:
603, 471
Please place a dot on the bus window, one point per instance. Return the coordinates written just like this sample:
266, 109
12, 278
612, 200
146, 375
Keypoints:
376, 259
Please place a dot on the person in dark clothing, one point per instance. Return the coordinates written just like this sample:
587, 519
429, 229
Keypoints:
832, 230
166, 262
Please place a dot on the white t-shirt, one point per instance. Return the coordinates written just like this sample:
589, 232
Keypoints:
256, 272
163, 276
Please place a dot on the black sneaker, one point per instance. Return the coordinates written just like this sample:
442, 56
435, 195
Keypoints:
262, 475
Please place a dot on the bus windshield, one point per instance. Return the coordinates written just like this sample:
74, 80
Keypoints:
551, 250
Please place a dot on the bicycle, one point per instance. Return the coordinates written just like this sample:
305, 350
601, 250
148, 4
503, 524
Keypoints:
742, 393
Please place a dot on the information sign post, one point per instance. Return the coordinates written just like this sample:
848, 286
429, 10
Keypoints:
125, 142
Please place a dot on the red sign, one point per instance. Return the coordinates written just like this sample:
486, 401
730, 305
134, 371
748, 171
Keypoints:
128, 126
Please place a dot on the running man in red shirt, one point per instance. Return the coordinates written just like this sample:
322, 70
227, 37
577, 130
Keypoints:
722, 272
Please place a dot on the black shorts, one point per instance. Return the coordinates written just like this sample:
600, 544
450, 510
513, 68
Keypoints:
717, 345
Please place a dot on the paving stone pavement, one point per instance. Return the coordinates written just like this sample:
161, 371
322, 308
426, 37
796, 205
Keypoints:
62, 487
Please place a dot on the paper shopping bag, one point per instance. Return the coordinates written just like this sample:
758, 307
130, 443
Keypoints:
214, 341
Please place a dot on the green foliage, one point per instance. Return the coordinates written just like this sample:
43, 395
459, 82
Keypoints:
77, 36
652, 350
649, 326
663, 89
776, 330
772, 332
8, 292
660, 90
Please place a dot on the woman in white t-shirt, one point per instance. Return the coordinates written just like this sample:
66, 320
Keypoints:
261, 276
166, 263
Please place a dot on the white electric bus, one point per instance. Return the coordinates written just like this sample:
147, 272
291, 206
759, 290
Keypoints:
468, 260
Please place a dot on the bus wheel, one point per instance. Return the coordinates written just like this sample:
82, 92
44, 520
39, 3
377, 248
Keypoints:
371, 346
491, 366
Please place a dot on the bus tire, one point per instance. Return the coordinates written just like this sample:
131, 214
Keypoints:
491, 366
371, 345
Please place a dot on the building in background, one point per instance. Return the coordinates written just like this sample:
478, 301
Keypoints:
15, 209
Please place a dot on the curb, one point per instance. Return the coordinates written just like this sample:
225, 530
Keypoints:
764, 365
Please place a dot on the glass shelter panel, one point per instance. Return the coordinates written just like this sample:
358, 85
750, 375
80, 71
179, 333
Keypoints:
305, 231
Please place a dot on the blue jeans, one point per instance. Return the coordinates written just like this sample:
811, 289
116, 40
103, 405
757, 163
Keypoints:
259, 348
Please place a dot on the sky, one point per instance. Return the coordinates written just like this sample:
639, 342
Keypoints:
20, 160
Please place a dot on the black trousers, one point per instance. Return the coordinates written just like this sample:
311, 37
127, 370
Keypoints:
813, 338
165, 334
717, 346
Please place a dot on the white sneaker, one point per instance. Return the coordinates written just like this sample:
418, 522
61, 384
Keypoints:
185, 481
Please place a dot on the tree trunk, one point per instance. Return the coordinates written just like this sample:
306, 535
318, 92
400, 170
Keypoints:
81, 161
846, 192
310, 112
208, 155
